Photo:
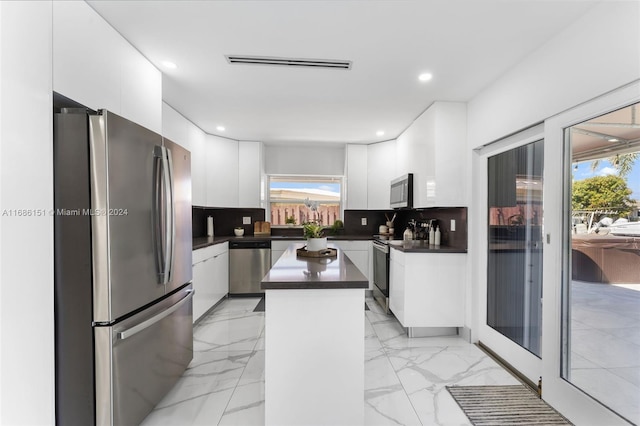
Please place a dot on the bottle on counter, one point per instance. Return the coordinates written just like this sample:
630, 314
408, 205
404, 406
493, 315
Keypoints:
432, 236
437, 236
407, 235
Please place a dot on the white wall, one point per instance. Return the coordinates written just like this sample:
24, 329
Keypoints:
26, 243
594, 55
304, 160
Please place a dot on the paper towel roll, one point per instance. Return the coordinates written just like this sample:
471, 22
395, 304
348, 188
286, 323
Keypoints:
210, 226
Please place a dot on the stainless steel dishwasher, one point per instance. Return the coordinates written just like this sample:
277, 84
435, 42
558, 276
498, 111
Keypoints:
249, 261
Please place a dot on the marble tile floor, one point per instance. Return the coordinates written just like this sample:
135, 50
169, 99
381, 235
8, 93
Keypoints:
405, 378
605, 345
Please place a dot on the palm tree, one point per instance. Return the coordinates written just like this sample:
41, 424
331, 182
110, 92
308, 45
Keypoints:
623, 163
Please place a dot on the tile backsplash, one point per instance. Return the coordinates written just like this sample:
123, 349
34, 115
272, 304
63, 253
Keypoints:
224, 220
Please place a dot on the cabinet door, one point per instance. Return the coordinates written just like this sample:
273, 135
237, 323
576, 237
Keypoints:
360, 259
358, 252
279, 247
396, 288
220, 279
204, 296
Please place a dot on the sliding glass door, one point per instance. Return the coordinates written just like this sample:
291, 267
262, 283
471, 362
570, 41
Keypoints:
514, 255
512, 188
601, 297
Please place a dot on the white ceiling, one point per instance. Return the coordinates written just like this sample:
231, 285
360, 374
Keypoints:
465, 44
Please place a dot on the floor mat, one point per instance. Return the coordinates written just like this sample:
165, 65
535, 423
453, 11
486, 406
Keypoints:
504, 405
260, 306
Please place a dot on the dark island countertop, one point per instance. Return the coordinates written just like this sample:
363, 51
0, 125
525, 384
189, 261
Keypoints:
293, 272
202, 242
422, 246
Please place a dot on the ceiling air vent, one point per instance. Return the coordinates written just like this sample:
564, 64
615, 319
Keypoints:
289, 62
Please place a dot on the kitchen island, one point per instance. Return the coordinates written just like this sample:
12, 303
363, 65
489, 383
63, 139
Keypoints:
314, 340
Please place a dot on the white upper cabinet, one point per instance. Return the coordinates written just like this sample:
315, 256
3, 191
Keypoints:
101, 69
185, 133
433, 149
381, 170
198, 166
221, 170
369, 171
356, 174
250, 171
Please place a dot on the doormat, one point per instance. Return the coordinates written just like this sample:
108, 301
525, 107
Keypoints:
260, 306
504, 405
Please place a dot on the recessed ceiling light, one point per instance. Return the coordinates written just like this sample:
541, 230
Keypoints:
220, 128
169, 64
380, 133
425, 76
613, 140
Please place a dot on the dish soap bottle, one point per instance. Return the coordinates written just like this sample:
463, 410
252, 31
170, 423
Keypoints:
407, 235
432, 236
437, 236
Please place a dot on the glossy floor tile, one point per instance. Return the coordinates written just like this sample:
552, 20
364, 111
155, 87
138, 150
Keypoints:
405, 378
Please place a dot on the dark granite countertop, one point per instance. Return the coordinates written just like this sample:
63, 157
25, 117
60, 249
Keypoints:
422, 246
202, 242
293, 272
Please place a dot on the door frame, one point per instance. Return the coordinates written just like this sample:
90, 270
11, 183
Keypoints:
525, 362
572, 402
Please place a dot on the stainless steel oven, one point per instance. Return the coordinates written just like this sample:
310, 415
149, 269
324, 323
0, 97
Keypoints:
381, 274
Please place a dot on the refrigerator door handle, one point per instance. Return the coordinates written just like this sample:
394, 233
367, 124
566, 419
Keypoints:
158, 211
122, 335
171, 215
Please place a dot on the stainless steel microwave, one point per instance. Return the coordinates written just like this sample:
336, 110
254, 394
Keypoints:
402, 192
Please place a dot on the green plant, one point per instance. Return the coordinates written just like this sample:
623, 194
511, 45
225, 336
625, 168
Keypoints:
598, 192
312, 230
337, 226
290, 220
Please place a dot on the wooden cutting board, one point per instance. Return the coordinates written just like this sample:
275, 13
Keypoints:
261, 228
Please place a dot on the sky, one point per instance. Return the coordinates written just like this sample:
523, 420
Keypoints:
332, 187
605, 168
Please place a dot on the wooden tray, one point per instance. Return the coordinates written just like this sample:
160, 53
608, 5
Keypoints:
330, 252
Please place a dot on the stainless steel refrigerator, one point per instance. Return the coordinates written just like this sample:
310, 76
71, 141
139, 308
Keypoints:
123, 294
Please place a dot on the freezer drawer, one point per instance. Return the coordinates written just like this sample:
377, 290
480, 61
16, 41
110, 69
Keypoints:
138, 360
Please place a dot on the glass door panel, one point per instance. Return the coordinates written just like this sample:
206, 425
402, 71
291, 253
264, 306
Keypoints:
601, 331
514, 260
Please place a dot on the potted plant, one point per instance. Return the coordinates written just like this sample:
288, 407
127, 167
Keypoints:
290, 220
239, 231
314, 233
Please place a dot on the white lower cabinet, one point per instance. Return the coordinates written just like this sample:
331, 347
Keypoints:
359, 252
279, 247
210, 277
427, 289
